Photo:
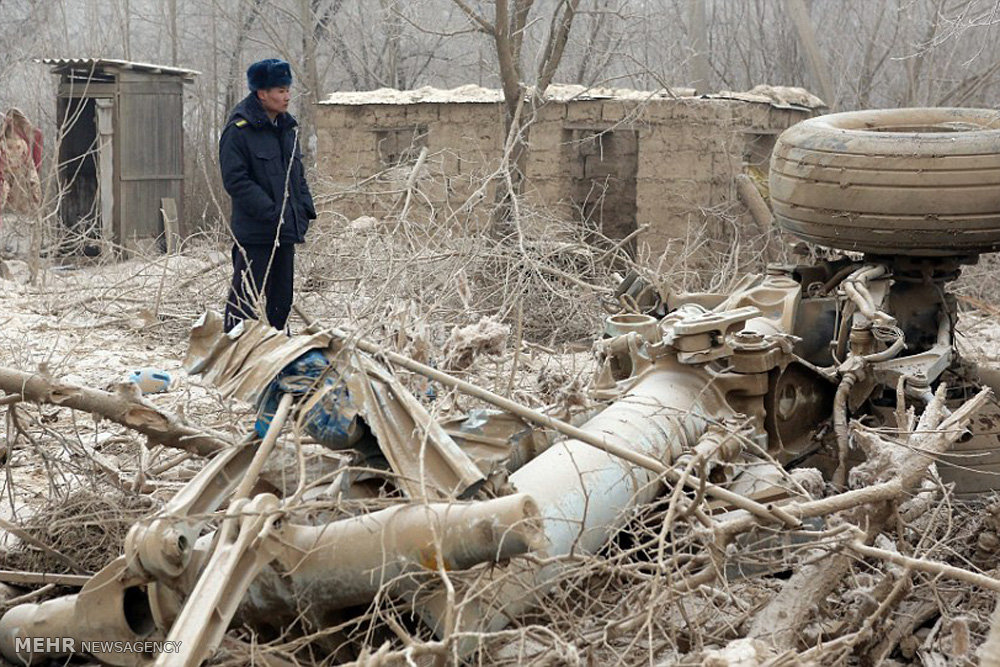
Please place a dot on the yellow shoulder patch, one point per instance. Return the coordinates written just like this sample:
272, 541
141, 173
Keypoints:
241, 123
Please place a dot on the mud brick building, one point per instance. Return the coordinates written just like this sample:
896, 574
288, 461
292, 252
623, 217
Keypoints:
616, 158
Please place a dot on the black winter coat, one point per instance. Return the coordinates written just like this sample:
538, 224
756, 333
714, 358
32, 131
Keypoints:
255, 155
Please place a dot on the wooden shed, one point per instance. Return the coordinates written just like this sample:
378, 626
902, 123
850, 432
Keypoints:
121, 151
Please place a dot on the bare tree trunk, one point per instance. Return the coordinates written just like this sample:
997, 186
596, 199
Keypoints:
326, 25
869, 67
799, 14
172, 12
562, 23
507, 30
507, 37
510, 67
215, 118
310, 70
915, 65
126, 29
234, 81
393, 34
698, 35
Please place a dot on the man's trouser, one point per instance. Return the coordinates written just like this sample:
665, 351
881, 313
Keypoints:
257, 274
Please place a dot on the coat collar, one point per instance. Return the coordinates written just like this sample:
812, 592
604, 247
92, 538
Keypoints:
251, 110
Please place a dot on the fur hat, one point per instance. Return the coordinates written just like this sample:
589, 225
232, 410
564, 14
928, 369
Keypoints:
270, 73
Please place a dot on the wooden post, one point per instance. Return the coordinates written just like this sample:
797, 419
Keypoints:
168, 209
106, 172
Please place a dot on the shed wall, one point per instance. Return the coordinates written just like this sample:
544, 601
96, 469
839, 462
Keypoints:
149, 147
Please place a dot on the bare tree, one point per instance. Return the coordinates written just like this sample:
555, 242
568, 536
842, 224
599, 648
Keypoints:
244, 21
507, 30
878, 52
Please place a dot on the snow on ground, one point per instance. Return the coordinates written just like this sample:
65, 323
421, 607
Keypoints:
93, 325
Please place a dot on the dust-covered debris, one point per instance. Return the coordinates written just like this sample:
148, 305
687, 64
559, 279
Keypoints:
562, 388
675, 500
600, 605
780, 96
465, 344
740, 653
363, 222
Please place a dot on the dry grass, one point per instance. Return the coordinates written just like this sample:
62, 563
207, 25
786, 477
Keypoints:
89, 527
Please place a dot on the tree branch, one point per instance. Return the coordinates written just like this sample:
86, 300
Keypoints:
922, 565
782, 620
562, 22
519, 26
484, 25
126, 407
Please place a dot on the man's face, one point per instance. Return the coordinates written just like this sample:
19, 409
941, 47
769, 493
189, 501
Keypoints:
275, 100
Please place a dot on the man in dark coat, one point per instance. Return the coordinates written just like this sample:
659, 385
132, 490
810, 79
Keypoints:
272, 206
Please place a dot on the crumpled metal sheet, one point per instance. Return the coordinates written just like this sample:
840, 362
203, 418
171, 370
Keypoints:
243, 362
425, 459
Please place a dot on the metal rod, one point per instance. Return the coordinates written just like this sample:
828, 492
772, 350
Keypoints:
19, 577
264, 451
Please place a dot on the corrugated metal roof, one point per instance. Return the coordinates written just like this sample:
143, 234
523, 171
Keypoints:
95, 64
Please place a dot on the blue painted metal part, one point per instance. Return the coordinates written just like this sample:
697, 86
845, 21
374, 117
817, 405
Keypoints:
332, 421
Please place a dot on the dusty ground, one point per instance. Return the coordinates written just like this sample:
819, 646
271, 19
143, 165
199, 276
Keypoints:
87, 325
93, 324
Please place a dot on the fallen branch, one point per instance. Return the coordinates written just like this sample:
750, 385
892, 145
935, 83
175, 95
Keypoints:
161, 468
221, 261
904, 624
751, 198
795, 605
411, 182
922, 565
126, 406
28, 597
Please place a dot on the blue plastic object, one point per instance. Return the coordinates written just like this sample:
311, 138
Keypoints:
325, 421
150, 380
